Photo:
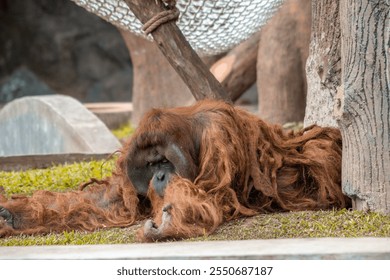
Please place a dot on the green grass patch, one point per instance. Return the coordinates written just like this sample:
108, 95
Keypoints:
111, 236
123, 132
305, 224
342, 223
59, 178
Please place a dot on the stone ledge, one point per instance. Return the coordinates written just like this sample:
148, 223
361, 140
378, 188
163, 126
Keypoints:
52, 124
112, 114
21, 163
273, 249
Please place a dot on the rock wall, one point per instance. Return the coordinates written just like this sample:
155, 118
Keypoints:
74, 52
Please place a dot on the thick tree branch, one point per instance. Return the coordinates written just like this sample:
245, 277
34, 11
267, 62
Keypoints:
237, 70
179, 53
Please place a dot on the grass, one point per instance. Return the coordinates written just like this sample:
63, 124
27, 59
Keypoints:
306, 224
59, 178
123, 132
112, 236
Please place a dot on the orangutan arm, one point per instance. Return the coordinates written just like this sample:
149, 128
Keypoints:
98, 206
184, 211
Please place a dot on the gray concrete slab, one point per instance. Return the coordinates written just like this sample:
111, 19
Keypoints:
275, 249
52, 124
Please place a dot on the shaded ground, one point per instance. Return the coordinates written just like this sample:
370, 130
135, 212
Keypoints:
341, 223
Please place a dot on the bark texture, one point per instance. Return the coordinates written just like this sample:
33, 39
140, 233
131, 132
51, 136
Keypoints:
363, 103
323, 66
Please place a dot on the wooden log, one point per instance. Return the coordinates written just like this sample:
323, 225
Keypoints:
283, 51
155, 83
19, 163
363, 103
237, 70
179, 53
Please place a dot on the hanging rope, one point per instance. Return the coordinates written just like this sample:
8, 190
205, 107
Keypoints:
172, 13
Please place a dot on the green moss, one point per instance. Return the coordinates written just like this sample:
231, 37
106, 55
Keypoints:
110, 236
123, 132
341, 223
59, 178
308, 224
294, 126
305, 224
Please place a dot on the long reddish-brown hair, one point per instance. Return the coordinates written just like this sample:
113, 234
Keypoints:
241, 166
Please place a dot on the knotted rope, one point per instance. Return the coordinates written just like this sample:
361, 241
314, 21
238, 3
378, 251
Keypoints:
163, 17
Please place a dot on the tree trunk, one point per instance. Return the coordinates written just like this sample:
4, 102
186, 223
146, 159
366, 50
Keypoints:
323, 66
363, 102
179, 53
349, 80
282, 55
236, 71
155, 84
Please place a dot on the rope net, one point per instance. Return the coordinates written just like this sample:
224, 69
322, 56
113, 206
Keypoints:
210, 26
